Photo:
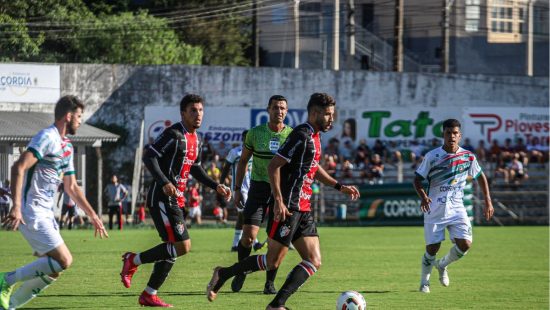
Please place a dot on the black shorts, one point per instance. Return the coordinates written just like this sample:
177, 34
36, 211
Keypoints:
299, 224
256, 204
167, 216
67, 209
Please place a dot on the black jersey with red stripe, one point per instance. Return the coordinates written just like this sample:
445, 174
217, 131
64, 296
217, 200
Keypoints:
302, 151
176, 150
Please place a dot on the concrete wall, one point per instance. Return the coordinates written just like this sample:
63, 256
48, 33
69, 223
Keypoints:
117, 94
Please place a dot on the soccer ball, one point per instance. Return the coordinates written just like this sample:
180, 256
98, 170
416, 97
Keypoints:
351, 300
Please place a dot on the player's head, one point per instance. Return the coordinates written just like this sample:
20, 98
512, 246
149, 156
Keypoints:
277, 107
69, 109
191, 111
114, 179
244, 135
320, 109
451, 134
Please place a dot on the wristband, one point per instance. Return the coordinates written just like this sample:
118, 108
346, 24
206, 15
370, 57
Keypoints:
338, 186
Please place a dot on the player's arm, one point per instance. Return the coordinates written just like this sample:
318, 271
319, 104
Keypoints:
197, 171
326, 179
24, 163
73, 190
225, 171
488, 210
163, 146
280, 211
425, 199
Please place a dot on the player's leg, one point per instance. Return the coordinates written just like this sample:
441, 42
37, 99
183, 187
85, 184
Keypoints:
119, 216
460, 232
112, 211
434, 234
306, 241
238, 231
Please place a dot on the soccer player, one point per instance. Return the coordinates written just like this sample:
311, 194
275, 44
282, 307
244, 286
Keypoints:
291, 174
261, 143
230, 164
446, 169
46, 163
171, 158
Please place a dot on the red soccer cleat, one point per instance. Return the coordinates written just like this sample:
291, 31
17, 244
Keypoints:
128, 269
148, 300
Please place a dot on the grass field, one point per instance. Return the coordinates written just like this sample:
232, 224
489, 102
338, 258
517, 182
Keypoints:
507, 268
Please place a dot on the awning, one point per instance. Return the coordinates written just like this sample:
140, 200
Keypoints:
22, 126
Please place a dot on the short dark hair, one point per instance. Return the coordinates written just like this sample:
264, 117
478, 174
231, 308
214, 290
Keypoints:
451, 123
320, 100
190, 99
276, 98
66, 104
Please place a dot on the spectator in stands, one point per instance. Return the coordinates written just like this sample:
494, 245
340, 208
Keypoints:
494, 151
417, 153
333, 148
347, 152
329, 164
521, 149
361, 159
468, 146
481, 151
207, 151
515, 169
375, 171
379, 148
507, 150
501, 170
394, 154
195, 199
536, 154
349, 132
213, 171
222, 149
347, 169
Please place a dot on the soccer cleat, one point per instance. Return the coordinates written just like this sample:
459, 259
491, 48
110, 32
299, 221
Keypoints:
258, 245
269, 307
148, 300
128, 269
211, 292
238, 282
424, 288
234, 248
443, 275
5, 291
269, 288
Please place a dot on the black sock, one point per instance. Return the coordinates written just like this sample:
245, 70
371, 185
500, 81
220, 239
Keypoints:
160, 273
163, 251
270, 275
248, 265
296, 278
243, 252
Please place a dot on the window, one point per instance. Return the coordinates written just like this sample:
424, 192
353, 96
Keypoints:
472, 16
506, 21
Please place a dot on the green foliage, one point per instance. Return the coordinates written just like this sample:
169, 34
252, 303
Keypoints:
68, 31
507, 268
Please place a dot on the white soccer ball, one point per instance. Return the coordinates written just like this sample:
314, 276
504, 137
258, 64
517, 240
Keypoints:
351, 300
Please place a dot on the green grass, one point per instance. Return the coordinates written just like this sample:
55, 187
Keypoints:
507, 268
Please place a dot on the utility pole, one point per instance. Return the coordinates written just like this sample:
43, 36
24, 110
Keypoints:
351, 33
530, 38
445, 36
255, 33
398, 37
336, 37
296, 34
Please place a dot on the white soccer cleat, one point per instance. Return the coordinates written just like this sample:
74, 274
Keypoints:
424, 288
443, 275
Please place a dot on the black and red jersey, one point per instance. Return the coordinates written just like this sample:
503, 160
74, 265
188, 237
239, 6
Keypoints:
171, 157
302, 151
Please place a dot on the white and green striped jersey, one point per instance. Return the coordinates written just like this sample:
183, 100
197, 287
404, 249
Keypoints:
55, 159
446, 174
233, 158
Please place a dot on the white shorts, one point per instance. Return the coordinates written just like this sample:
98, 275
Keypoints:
194, 212
42, 234
459, 228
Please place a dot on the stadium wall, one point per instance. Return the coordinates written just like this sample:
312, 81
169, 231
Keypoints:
119, 94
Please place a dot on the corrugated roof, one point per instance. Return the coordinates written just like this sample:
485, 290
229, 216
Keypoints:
22, 126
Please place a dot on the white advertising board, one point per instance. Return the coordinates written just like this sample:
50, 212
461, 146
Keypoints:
26, 83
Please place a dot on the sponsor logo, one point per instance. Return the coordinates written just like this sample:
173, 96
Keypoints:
442, 199
487, 123
305, 196
449, 188
402, 208
180, 227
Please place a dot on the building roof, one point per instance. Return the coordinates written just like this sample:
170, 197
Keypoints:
22, 126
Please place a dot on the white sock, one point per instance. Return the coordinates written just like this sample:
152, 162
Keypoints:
237, 237
427, 264
256, 241
42, 266
454, 254
29, 289
150, 290
137, 259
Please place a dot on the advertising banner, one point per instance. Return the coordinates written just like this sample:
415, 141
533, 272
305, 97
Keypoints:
530, 124
26, 83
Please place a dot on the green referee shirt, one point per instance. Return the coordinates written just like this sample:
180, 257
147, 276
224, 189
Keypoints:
264, 143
